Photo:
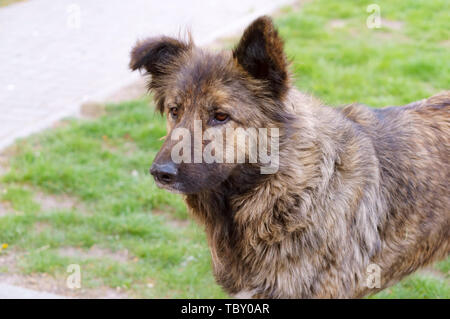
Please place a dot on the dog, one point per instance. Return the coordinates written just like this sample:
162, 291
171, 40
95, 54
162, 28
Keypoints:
357, 192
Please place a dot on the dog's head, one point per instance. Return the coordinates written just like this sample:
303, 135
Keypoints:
206, 95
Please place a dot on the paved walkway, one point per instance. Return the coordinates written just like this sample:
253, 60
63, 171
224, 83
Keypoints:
56, 54
13, 292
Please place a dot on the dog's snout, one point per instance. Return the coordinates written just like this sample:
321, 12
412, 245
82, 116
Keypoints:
165, 173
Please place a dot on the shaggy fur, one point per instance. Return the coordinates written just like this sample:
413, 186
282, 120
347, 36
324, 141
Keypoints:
356, 186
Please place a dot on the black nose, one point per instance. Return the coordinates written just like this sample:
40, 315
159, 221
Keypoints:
164, 173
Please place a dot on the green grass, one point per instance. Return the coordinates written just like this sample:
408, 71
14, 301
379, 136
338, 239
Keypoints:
4, 3
373, 66
92, 161
417, 286
104, 163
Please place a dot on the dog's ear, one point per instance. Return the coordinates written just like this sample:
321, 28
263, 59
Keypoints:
260, 53
157, 54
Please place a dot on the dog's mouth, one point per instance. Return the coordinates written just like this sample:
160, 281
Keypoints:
176, 187
179, 187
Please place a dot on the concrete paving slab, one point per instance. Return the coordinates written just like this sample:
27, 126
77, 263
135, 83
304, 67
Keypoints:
13, 292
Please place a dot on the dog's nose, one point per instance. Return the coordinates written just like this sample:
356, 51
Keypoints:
164, 173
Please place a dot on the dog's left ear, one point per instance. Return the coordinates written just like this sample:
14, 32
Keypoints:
260, 53
157, 54
160, 57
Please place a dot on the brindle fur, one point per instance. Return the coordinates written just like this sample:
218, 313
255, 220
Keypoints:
356, 186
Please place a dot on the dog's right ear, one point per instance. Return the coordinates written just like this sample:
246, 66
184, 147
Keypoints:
157, 54
260, 53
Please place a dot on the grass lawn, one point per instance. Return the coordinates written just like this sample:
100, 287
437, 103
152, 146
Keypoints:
81, 193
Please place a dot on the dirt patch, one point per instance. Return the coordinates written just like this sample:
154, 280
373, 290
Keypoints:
60, 124
392, 24
121, 256
381, 35
445, 43
337, 23
293, 7
130, 92
433, 272
5, 209
40, 227
55, 202
8, 259
47, 202
51, 284
9, 152
92, 110
128, 148
95, 109
4, 164
172, 221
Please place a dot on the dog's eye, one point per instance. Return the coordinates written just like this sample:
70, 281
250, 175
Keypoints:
173, 112
220, 118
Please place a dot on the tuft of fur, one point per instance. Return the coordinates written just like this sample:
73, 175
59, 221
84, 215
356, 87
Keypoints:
356, 186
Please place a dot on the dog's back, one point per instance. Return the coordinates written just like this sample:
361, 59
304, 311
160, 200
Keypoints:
412, 145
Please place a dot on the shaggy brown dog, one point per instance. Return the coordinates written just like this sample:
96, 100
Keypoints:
356, 188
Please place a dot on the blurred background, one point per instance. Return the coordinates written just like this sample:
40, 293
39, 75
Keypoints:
79, 214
